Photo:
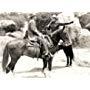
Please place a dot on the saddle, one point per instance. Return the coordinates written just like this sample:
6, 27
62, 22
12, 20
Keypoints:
32, 43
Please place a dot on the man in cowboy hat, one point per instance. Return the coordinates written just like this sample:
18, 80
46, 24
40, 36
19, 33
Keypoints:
34, 34
56, 26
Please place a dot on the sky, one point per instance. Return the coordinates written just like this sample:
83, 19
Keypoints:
44, 5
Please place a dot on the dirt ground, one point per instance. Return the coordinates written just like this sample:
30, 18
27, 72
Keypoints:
31, 68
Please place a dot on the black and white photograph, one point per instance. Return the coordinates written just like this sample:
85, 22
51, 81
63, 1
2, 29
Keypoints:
45, 40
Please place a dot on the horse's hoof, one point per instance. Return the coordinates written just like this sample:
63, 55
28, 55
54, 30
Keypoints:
44, 73
70, 64
49, 69
67, 65
7, 71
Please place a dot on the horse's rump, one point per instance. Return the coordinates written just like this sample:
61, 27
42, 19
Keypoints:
16, 44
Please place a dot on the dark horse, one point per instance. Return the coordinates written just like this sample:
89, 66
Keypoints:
56, 36
16, 48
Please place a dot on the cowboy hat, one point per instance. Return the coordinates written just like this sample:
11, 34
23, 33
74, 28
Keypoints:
54, 17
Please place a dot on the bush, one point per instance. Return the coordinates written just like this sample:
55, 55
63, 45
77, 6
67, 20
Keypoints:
84, 41
74, 32
16, 17
10, 28
42, 20
84, 19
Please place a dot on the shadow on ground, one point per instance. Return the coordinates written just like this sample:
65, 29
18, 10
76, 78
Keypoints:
32, 70
40, 69
58, 67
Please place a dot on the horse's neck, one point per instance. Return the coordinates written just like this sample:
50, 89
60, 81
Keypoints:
56, 39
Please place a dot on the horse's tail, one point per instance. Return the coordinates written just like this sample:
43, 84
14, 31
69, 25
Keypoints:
5, 57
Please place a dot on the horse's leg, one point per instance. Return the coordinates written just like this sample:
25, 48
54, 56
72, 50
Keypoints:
66, 50
66, 53
67, 61
50, 64
14, 63
7, 69
70, 62
11, 65
44, 64
71, 55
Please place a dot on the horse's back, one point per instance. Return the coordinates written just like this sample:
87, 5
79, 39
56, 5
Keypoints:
16, 43
15, 47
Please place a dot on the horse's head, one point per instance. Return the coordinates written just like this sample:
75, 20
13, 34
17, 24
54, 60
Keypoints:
48, 41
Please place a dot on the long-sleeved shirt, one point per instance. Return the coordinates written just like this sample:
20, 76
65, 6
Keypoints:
32, 29
56, 28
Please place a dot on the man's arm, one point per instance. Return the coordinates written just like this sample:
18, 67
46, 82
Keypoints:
58, 31
63, 24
